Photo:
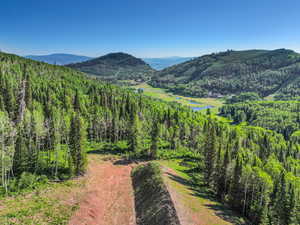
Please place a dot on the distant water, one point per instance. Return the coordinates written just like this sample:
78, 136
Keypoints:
178, 98
201, 108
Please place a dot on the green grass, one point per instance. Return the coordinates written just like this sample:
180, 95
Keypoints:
53, 204
198, 199
169, 97
174, 164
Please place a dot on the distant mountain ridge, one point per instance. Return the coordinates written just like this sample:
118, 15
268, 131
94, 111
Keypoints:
158, 63
262, 71
115, 67
59, 58
162, 63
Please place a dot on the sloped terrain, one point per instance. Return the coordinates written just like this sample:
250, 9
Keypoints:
192, 206
261, 71
116, 66
153, 203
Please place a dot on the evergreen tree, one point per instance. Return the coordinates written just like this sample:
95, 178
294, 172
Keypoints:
235, 189
77, 139
209, 154
77, 102
135, 132
28, 94
20, 155
155, 133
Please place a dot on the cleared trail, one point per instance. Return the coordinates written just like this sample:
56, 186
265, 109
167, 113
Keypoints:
109, 198
192, 209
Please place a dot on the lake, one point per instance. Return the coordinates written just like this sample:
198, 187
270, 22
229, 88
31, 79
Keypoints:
195, 108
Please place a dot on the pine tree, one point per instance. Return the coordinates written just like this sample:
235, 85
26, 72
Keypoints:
77, 138
2, 106
134, 133
222, 176
155, 133
209, 155
292, 207
175, 137
77, 102
10, 101
28, 94
281, 202
20, 156
235, 189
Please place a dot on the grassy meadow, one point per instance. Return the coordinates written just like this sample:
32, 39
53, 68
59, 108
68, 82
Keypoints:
187, 101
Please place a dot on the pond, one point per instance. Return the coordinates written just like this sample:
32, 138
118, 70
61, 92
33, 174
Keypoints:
202, 107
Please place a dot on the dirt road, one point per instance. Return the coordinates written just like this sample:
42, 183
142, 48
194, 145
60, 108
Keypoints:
109, 198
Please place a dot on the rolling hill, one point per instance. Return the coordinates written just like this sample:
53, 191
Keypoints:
59, 58
116, 67
232, 72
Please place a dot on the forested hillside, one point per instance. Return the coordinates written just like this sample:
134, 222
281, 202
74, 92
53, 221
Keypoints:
280, 116
48, 114
116, 67
233, 72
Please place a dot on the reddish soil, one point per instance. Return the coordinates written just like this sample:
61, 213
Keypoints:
109, 198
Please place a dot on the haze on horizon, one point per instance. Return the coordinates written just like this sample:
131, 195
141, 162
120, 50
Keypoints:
147, 28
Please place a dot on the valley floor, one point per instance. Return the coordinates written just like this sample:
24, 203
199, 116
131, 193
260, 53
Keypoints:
192, 102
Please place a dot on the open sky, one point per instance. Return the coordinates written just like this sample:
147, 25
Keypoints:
147, 28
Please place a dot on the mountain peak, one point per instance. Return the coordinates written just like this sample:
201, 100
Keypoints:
116, 66
117, 58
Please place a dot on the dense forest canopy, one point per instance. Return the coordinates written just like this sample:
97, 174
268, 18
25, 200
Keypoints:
280, 116
243, 97
48, 114
232, 72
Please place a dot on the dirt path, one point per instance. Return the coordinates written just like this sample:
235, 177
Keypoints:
192, 209
109, 198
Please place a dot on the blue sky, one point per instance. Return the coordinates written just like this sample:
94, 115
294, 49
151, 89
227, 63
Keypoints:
152, 28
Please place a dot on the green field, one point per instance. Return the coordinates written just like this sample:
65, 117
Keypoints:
169, 97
